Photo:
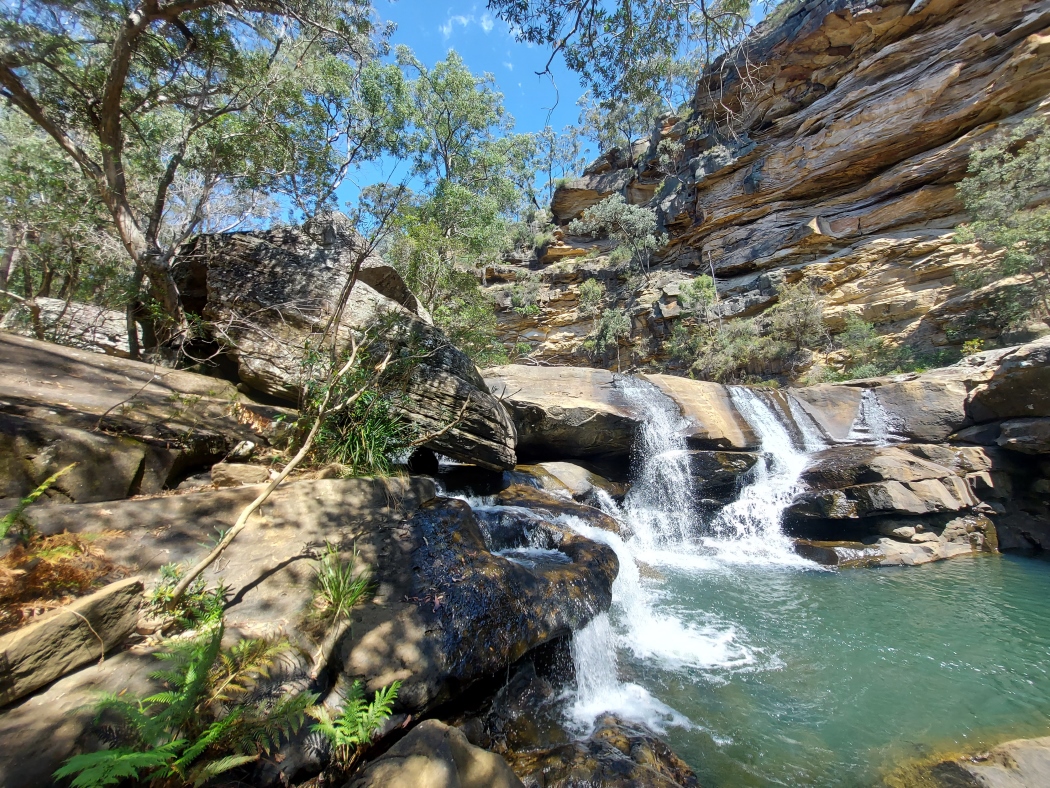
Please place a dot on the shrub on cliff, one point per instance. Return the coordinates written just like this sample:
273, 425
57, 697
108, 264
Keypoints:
1006, 192
633, 227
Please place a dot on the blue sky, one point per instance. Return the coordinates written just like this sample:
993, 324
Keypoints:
486, 44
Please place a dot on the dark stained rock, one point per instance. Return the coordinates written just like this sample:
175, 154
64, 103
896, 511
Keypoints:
1018, 387
1029, 436
718, 474
465, 613
131, 427
269, 297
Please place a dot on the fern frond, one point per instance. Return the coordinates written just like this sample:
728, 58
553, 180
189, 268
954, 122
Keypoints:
109, 767
209, 769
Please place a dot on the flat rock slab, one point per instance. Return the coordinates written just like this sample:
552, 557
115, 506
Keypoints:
67, 638
45, 729
131, 427
433, 755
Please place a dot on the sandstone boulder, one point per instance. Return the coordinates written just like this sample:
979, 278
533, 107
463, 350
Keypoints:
234, 474
67, 638
719, 474
1023, 763
269, 297
540, 502
433, 755
849, 482
131, 427
581, 483
566, 411
73, 324
1018, 387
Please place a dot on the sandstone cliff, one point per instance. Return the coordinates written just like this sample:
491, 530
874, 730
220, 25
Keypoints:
829, 151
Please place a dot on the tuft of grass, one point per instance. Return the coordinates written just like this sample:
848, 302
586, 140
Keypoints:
339, 584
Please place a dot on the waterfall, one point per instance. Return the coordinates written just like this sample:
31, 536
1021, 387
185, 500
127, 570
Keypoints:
660, 508
748, 530
873, 424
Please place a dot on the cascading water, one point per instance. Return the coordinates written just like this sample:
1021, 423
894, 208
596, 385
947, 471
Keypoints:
748, 529
667, 532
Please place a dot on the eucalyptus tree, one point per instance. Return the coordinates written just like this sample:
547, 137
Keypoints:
472, 177
165, 106
629, 47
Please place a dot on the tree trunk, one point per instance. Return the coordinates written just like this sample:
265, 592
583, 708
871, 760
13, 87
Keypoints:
12, 249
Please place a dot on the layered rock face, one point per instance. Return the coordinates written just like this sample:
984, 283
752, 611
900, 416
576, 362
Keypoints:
853, 126
268, 297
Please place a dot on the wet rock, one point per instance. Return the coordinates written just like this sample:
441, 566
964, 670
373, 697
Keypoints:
228, 474
713, 421
841, 554
131, 427
67, 638
834, 408
433, 755
718, 474
524, 722
1028, 436
453, 612
565, 411
275, 292
1023, 763
552, 507
581, 483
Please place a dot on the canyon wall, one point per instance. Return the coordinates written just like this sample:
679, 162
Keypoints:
829, 150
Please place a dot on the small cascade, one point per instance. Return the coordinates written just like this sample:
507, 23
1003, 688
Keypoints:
660, 508
813, 437
873, 425
749, 529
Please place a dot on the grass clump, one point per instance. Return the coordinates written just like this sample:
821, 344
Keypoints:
339, 585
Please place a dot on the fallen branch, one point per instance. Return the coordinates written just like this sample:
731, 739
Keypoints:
323, 412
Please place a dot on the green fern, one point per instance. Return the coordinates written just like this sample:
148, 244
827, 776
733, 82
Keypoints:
109, 767
15, 514
357, 723
203, 723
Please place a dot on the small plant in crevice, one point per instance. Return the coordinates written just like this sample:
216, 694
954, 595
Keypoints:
215, 714
199, 606
355, 726
339, 584
14, 517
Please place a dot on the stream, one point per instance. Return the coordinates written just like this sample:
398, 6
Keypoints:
763, 669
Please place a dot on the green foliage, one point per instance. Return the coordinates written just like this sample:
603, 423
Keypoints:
591, 296
199, 606
339, 586
15, 515
207, 721
797, 317
357, 723
972, 347
632, 48
870, 355
697, 295
1002, 193
525, 294
726, 351
612, 326
633, 227
364, 437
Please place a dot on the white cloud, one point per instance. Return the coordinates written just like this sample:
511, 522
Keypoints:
458, 19
509, 66
486, 22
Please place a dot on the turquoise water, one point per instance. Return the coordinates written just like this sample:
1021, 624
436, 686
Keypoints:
821, 678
